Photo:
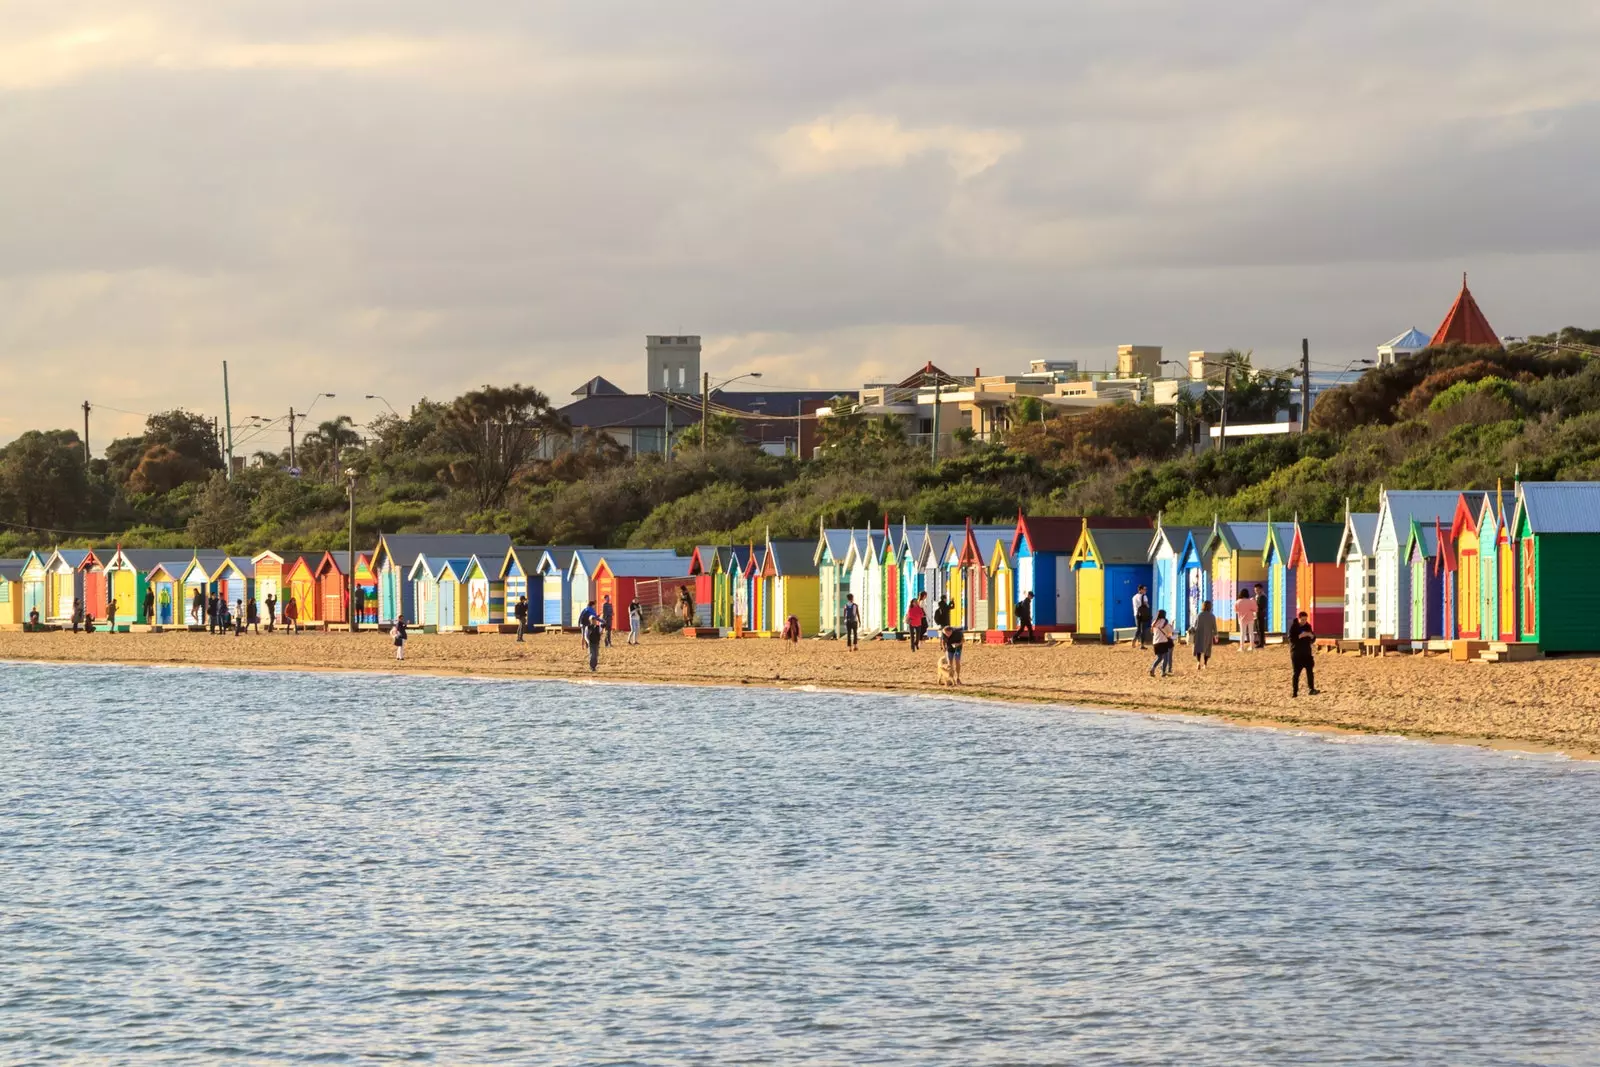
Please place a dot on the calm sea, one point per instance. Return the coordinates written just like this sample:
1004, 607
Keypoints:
213, 866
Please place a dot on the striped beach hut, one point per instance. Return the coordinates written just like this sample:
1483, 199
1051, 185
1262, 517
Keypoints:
1425, 620
1283, 602
911, 575
1236, 550
268, 573
424, 595
1397, 509
1502, 605
973, 590
703, 572
1002, 585
1110, 566
833, 578
1170, 577
790, 574
551, 576
1557, 528
1467, 560
1356, 546
396, 554
195, 582
63, 583
1194, 572
1319, 576
1492, 535
234, 581
166, 581
519, 575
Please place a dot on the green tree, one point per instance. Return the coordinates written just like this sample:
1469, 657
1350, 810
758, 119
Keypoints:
722, 431
221, 515
494, 436
43, 482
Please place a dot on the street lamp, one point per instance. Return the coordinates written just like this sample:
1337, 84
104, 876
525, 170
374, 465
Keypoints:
705, 399
392, 411
293, 469
350, 570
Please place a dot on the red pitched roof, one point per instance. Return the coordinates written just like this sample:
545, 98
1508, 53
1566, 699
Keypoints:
1465, 323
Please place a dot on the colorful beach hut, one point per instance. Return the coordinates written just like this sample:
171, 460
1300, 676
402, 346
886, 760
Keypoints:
1319, 576
556, 591
267, 568
1002, 585
1109, 566
165, 580
300, 586
1168, 584
1397, 509
234, 581
32, 580
13, 602
889, 578
833, 579
1356, 546
792, 585
519, 574
485, 597
451, 587
973, 589
1557, 527
628, 575
1042, 547
1500, 568
703, 572
1236, 550
424, 596
1491, 535
1282, 578
63, 583
329, 575
1194, 572
1467, 560
96, 586
396, 554
1426, 616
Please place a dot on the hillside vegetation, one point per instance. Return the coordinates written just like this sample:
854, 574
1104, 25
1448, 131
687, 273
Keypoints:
1447, 418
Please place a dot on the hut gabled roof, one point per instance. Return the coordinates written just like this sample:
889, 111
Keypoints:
1559, 507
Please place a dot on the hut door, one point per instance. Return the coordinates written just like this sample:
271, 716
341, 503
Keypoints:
1508, 593
1530, 615
1091, 600
1419, 598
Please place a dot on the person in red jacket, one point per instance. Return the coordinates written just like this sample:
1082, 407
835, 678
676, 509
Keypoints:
917, 621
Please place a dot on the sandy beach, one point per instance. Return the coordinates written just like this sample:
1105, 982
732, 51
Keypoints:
1541, 705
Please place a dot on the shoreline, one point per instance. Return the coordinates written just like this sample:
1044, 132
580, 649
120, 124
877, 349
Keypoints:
746, 664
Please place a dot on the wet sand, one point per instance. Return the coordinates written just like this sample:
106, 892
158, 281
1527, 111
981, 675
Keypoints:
1547, 705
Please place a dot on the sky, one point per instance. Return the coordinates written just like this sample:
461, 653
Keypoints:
408, 198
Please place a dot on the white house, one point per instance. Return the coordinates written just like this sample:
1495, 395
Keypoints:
1356, 549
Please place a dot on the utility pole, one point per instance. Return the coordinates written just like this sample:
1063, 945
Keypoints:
350, 569
291, 439
705, 407
227, 415
1305, 384
86, 432
666, 400
1227, 382
933, 450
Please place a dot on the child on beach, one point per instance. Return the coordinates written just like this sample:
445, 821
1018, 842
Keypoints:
791, 629
1203, 635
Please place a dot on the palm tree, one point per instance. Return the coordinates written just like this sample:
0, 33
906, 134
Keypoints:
326, 444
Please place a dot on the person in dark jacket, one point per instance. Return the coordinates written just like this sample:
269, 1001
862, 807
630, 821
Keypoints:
941, 614
521, 612
398, 634
592, 637
150, 607
1302, 654
1141, 617
272, 612
852, 622
1203, 635
1261, 618
1025, 618
608, 615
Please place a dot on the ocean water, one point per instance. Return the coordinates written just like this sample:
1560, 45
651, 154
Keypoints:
215, 867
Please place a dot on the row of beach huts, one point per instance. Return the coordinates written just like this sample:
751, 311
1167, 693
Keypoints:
1429, 569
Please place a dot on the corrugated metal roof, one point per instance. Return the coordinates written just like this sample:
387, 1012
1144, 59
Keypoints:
1364, 528
405, 548
1401, 506
793, 557
1561, 507
11, 569
1176, 536
1320, 540
1246, 537
1121, 546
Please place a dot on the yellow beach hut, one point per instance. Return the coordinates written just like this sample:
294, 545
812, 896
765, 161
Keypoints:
63, 590
32, 585
11, 599
166, 581
793, 587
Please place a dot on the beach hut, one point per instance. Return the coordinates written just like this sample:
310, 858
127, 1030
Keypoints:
1397, 509
1236, 550
1356, 545
1467, 561
1557, 528
738, 587
13, 601
855, 571
934, 545
484, 596
790, 571
332, 602
703, 571
1002, 586
1426, 616
974, 591
1491, 535
867, 571
396, 554
32, 579
833, 579
1502, 607
1444, 564
365, 591
63, 583
96, 585
300, 586
194, 579
555, 591
1109, 566
890, 601
911, 575
1042, 546
1319, 576
424, 595
1168, 578
519, 576
1194, 569
267, 570
127, 572
451, 585
234, 581
1282, 578
625, 575
165, 580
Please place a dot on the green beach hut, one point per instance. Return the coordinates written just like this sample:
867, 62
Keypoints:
1556, 529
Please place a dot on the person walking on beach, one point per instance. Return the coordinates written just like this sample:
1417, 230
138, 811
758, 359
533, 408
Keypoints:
1203, 635
916, 622
951, 640
791, 630
272, 611
398, 634
291, 617
686, 605
197, 609
1261, 618
1244, 613
1025, 618
239, 622
150, 607
521, 613
252, 616
1163, 638
635, 621
591, 637
941, 614
77, 615
1141, 618
111, 617
1302, 654
852, 623
607, 615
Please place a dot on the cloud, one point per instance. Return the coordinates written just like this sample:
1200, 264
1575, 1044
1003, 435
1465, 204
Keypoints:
853, 142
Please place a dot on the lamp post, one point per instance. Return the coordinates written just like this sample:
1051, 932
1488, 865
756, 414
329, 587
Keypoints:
350, 569
705, 400
392, 411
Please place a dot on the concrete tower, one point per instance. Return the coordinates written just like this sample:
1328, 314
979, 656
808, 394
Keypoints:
673, 364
